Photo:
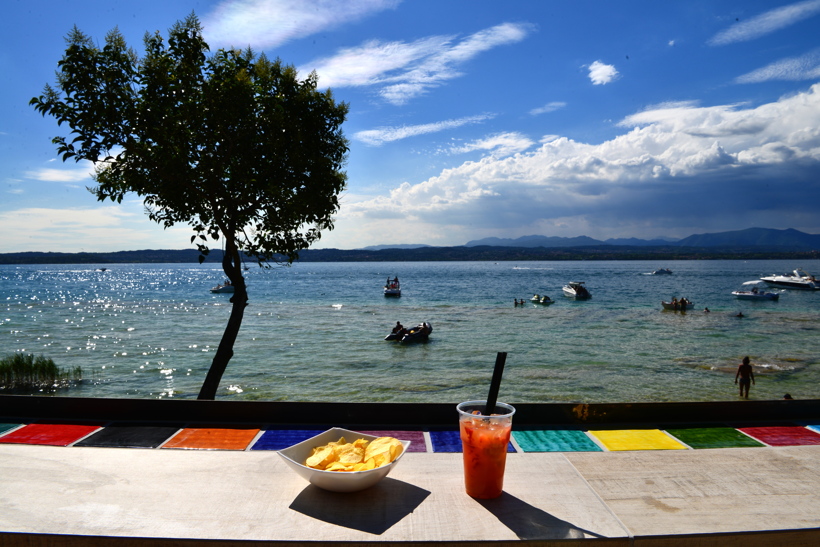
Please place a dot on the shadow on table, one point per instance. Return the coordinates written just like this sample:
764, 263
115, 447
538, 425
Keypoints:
529, 522
373, 510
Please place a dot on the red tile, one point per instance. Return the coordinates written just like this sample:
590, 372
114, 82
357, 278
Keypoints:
783, 435
49, 434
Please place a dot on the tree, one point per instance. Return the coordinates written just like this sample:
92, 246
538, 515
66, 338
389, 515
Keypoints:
233, 144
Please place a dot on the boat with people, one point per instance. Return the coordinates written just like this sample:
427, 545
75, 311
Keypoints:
538, 299
662, 271
798, 279
225, 287
392, 287
755, 293
419, 333
678, 305
576, 290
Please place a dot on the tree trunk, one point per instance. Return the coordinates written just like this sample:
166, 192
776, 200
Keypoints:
232, 266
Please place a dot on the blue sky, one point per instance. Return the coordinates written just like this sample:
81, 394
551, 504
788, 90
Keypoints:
475, 118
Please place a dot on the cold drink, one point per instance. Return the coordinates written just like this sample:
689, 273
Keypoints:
484, 441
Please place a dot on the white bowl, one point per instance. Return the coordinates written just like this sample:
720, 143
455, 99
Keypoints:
336, 481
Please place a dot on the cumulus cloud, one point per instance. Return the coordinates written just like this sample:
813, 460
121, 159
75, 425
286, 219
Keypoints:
601, 73
804, 67
401, 71
382, 135
669, 158
547, 108
269, 23
766, 23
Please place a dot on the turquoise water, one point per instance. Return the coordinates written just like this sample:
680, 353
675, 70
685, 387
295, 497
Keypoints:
314, 331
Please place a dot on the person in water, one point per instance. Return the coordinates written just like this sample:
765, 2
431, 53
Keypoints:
746, 375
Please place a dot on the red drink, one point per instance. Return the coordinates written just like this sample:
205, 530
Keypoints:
484, 441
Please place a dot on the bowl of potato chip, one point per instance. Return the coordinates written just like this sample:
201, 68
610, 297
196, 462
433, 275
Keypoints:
341, 460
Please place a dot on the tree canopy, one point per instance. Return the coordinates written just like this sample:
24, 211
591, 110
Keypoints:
232, 144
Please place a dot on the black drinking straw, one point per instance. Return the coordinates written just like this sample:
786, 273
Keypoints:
495, 383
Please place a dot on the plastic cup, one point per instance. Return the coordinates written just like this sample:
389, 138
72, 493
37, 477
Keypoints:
484, 441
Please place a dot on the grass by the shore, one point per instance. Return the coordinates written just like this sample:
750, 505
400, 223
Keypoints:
22, 372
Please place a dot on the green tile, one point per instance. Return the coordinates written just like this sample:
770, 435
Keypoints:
713, 437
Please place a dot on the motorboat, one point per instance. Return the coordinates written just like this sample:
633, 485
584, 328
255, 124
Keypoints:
678, 305
798, 279
662, 271
224, 288
754, 293
538, 299
576, 290
392, 287
419, 333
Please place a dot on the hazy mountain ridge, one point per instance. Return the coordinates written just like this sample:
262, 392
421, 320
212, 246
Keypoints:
790, 239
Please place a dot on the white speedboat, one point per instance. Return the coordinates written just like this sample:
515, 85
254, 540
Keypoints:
798, 279
224, 288
576, 290
754, 293
662, 271
392, 287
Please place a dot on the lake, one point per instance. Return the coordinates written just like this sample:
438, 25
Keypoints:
314, 331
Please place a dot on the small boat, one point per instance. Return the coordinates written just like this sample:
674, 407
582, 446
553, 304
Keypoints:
755, 293
662, 271
224, 288
576, 290
538, 299
798, 279
392, 287
681, 305
419, 333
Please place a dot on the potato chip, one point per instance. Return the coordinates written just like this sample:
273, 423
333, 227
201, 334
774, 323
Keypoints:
360, 455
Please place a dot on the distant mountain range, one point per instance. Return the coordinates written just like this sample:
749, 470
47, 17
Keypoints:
789, 239
754, 243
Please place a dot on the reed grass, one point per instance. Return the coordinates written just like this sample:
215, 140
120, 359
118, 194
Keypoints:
26, 372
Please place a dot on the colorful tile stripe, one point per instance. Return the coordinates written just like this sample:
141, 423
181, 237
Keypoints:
150, 435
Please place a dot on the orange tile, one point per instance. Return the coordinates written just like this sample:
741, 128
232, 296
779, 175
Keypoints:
212, 439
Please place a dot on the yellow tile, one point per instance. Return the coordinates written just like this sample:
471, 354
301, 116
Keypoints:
637, 439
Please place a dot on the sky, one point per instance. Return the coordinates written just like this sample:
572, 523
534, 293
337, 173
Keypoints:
473, 118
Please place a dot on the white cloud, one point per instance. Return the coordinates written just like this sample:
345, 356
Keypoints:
61, 175
547, 108
671, 157
503, 144
805, 67
601, 73
766, 23
402, 71
269, 23
377, 137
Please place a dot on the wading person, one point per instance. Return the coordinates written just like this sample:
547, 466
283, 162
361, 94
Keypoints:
745, 374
